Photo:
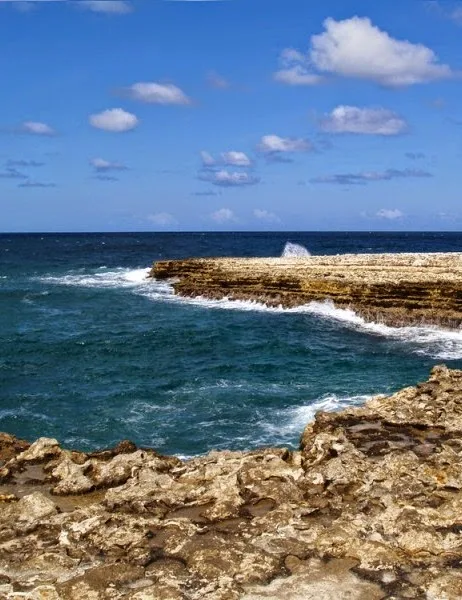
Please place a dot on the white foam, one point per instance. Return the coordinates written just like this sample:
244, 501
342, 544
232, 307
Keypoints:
430, 341
290, 422
102, 278
292, 250
284, 426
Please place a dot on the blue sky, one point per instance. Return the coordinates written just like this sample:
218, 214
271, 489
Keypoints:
191, 115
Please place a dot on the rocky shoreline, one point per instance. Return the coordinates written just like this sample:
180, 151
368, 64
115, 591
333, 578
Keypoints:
369, 507
396, 289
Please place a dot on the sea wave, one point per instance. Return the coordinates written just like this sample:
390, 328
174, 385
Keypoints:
101, 278
427, 340
291, 421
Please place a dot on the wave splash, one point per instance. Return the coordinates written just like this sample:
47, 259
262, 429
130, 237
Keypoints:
292, 250
101, 278
291, 421
426, 340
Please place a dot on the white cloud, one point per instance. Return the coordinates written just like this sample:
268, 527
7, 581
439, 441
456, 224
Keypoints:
236, 159
158, 93
217, 81
103, 166
265, 215
223, 215
273, 143
163, 219
295, 69
115, 119
37, 128
368, 121
387, 213
358, 49
113, 7
225, 178
232, 158
207, 159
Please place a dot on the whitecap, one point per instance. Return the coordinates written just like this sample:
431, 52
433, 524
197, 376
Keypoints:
291, 421
102, 278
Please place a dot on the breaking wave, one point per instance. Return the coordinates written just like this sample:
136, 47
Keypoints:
101, 278
427, 340
290, 422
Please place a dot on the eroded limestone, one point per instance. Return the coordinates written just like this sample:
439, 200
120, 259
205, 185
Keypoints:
393, 288
369, 507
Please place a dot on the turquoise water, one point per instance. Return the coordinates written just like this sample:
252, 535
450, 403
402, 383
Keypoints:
91, 352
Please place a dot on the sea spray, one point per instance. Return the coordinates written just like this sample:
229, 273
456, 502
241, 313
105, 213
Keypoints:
292, 250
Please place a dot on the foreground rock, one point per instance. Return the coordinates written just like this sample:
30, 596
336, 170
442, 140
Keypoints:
370, 507
394, 288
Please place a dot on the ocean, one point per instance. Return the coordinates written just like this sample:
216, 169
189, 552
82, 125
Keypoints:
91, 352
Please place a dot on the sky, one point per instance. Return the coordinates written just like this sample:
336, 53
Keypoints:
218, 115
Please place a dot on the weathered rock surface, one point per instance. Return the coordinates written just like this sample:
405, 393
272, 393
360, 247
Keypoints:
369, 507
394, 288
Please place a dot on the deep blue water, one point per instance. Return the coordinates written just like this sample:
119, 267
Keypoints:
91, 352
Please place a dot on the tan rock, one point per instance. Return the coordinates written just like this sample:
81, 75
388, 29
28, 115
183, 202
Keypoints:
369, 507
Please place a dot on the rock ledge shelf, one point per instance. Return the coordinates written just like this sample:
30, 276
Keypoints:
396, 289
369, 507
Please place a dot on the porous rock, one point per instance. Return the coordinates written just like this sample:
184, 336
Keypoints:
368, 507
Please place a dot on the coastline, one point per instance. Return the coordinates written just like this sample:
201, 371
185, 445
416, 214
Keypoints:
394, 289
368, 507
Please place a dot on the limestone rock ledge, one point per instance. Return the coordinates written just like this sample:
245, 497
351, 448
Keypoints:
369, 507
397, 289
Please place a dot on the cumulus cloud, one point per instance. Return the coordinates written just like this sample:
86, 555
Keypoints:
295, 69
387, 213
112, 7
371, 176
158, 93
116, 120
225, 178
265, 215
236, 159
37, 128
217, 81
366, 121
163, 219
232, 158
274, 146
358, 49
223, 215
24, 163
100, 165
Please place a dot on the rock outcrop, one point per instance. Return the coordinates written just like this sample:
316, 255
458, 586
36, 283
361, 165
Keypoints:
393, 288
369, 507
